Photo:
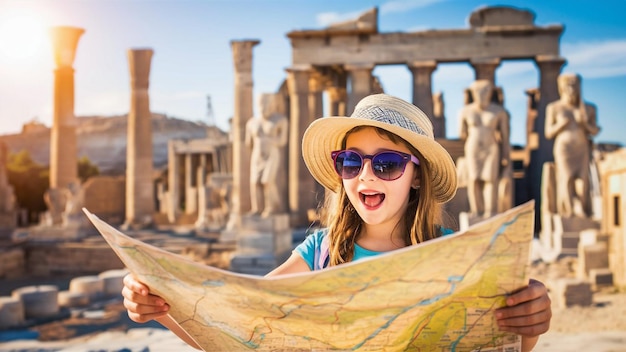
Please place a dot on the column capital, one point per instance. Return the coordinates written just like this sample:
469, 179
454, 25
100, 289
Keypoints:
432, 64
298, 78
139, 64
359, 67
550, 59
242, 54
486, 61
336, 93
299, 68
485, 68
64, 43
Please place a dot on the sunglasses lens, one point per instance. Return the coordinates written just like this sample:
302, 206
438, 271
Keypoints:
348, 164
388, 166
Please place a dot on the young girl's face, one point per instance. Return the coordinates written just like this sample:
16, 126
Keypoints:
377, 201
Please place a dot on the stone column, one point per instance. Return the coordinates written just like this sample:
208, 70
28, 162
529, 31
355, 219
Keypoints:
173, 182
316, 99
337, 97
242, 59
360, 77
549, 70
422, 86
63, 158
191, 184
302, 186
485, 68
201, 173
139, 183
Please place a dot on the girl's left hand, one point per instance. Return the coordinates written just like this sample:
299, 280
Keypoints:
528, 311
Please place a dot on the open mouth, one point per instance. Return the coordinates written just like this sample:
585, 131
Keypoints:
372, 200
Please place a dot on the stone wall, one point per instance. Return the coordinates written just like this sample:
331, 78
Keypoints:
46, 259
12, 262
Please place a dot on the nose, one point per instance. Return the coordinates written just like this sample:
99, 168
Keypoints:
367, 173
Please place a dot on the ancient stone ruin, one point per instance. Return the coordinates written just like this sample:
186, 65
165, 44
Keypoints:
209, 187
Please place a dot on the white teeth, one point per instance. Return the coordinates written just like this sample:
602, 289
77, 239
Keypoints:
370, 194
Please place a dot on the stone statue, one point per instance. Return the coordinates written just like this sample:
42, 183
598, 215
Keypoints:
266, 134
485, 130
571, 123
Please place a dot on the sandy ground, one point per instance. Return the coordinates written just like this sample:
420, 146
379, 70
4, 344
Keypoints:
600, 327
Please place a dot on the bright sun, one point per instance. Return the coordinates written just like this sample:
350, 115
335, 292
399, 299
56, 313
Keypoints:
22, 35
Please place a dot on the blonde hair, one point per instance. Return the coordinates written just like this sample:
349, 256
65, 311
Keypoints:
422, 218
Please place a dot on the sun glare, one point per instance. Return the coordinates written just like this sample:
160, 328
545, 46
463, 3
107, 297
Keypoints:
23, 35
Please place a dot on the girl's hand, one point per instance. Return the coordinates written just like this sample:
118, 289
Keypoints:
140, 304
528, 311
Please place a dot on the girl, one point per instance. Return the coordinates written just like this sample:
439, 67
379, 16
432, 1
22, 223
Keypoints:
391, 178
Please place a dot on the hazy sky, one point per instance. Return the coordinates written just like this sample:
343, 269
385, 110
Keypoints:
193, 59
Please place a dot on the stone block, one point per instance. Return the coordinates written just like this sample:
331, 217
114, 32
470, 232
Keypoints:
602, 277
264, 242
569, 292
272, 223
38, 301
92, 286
69, 299
112, 282
593, 256
569, 242
11, 312
578, 224
257, 263
589, 236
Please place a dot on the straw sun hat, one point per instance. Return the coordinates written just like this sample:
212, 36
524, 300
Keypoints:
395, 115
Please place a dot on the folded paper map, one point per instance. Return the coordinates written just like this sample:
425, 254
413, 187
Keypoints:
436, 296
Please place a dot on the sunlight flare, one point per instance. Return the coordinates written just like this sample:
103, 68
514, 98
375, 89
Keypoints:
23, 35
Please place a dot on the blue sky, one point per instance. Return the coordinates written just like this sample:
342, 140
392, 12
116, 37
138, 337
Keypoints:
192, 59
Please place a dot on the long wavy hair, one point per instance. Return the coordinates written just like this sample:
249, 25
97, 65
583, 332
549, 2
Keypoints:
421, 221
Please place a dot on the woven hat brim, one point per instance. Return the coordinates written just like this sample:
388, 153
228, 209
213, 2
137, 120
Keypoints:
326, 134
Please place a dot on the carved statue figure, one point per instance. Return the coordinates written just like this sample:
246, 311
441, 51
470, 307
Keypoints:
485, 130
571, 123
266, 134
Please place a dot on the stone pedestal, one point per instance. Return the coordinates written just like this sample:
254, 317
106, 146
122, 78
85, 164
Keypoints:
263, 243
92, 286
590, 257
11, 312
112, 282
38, 301
560, 236
67, 299
601, 277
569, 292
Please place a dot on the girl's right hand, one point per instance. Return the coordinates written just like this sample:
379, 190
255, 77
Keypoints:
140, 304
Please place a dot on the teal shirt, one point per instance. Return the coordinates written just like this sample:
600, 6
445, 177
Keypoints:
313, 242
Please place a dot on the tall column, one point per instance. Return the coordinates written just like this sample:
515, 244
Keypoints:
139, 183
201, 177
485, 68
302, 186
316, 100
242, 59
422, 86
191, 184
549, 70
360, 77
337, 97
173, 182
63, 164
